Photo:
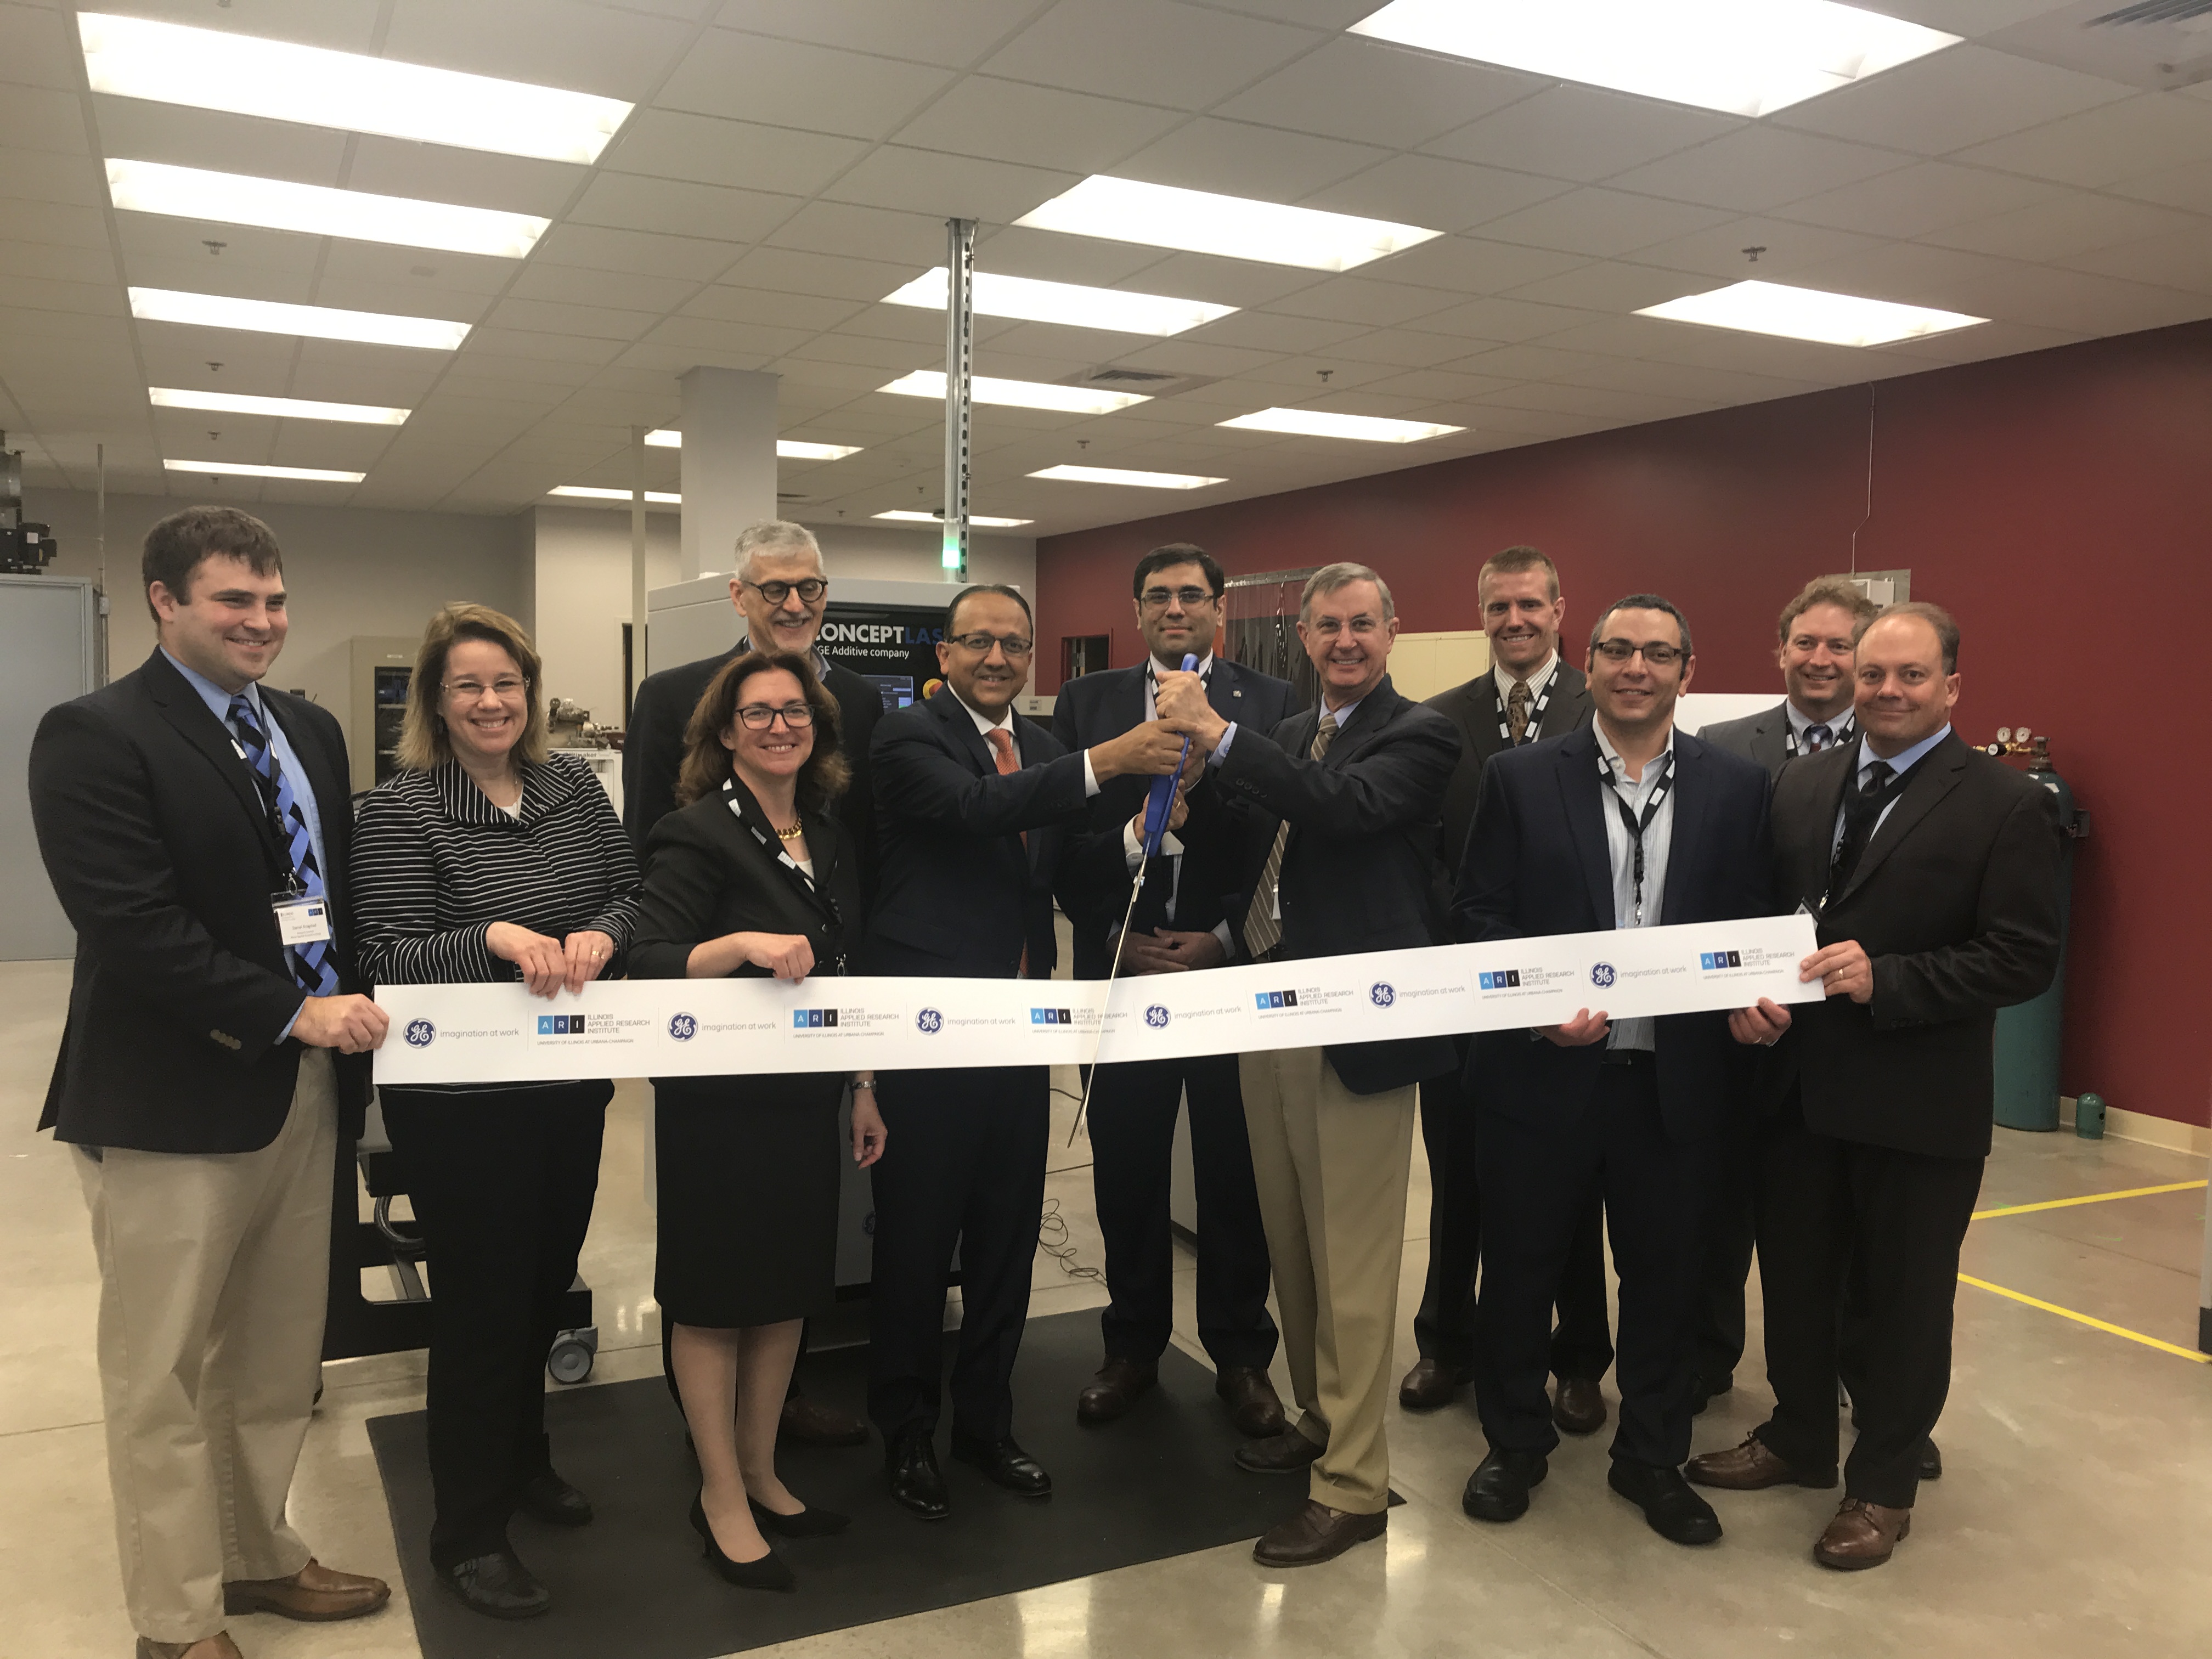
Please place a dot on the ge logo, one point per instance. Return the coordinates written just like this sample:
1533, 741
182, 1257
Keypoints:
682, 1027
1156, 1017
1602, 975
929, 1022
1380, 994
421, 1034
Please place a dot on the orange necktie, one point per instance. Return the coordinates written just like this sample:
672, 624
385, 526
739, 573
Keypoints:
1002, 746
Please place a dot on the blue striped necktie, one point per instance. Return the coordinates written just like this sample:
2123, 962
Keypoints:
311, 963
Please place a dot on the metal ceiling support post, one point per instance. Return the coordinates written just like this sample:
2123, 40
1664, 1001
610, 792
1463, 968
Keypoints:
959, 383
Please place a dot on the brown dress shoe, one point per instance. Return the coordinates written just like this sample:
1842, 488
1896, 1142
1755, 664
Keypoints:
1254, 1405
217, 1646
811, 1423
1578, 1405
1317, 1533
1115, 1390
1286, 1453
315, 1594
1431, 1383
1752, 1467
1861, 1536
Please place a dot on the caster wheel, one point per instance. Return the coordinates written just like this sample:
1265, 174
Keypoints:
570, 1360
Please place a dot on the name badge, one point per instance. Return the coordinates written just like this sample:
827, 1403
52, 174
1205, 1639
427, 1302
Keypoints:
302, 918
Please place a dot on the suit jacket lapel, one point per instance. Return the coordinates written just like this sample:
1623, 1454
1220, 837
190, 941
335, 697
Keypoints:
1936, 776
954, 713
1583, 797
1367, 723
1690, 791
181, 706
1223, 694
1563, 713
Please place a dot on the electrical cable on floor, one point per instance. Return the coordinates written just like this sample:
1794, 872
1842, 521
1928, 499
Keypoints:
1052, 1240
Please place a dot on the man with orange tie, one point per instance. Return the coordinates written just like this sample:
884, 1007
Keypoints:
972, 804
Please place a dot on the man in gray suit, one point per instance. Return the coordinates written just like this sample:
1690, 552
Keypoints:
1818, 661
1529, 693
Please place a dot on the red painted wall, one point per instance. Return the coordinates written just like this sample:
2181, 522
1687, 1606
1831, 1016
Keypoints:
2058, 502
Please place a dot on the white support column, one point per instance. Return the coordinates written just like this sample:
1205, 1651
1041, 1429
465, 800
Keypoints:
729, 461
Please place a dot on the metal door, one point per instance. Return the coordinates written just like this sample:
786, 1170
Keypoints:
47, 632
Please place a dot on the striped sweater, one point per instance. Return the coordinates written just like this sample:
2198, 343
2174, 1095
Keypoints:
434, 864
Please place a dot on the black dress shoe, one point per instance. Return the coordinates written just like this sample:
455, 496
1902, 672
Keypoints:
1431, 1384
813, 1424
910, 1468
1499, 1489
1287, 1453
1710, 1388
1115, 1389
809, 1522
1674, 1511
1254, 1406
1578, 1405
1931, 1461
1004, 1463
497, 1585
552, 1499
769, 1572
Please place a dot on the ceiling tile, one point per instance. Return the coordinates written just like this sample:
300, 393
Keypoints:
1502, 319
792, 270
952, 35
552, 43
1442, 385
575, 286
1363, 300
1265, 331
1465, 265
46, 278
35, 175
1783, 247
2103, 145
57, 222
402, 274
1006, 120
36, 48
2182, 262
552, 316
1614, 286
1216, 281
721, 337
1581, 133
41, 117
1914, 200
1757, 169
1050, 257
1154, 51
811, 311
788, 84
667, 143
627, 202
2188, 185
1602, 223
470, 178
602, 249
1365, 90
1434, 192
1234, 159
955, 186
54, 262
1404, 348
140, 129
1967, 94
2077, 222
868, 232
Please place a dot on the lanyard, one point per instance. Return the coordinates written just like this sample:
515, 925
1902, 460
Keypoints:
1840, 732
266, 788
1636, 826
1152, 683
817, 895
1535, 709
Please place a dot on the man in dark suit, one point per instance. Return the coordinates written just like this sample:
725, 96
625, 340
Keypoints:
1347, 798
195, 825
780, 590
972, 803
1816, 654
1933, 869
1181, 923
1529, 694
1622, 823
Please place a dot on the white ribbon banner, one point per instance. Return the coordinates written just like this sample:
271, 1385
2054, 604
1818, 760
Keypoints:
463, 1034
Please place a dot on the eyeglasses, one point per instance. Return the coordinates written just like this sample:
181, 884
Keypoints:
758, 716
810, 589
1155, 599
1656, 656
506, 689
1012, 644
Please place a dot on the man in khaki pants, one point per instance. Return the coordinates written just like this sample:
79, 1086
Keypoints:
1348, 798
194, 825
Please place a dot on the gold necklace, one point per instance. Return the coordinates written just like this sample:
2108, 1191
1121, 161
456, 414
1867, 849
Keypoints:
792, 834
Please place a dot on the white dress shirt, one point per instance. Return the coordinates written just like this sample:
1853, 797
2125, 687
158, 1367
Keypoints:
1840, 729
1620, 848
986, 725
1536, 681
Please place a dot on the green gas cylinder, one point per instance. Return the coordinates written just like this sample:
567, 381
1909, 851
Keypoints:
2027, 1034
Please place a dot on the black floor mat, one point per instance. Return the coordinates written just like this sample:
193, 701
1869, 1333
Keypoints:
1158, 1483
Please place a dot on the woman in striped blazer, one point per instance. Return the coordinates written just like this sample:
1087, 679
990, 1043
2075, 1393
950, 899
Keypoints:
489, 858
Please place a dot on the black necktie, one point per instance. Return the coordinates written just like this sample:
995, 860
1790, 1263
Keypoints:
1861, 812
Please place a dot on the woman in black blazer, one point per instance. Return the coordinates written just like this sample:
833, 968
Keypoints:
751, 875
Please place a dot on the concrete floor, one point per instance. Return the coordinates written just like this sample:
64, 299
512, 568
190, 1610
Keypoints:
2076, 1519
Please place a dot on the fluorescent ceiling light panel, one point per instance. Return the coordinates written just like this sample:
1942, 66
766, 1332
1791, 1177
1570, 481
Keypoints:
238, 199
975, 519
1019, 394
168, 304
297, 409
1065, 302
1116, 475
591, 492
1808, 313
1742, 57
1198, 222
311, 474
1320, 424
244, 75
786, 449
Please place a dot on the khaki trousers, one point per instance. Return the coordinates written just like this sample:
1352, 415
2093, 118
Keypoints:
214, 1274
1332, 1169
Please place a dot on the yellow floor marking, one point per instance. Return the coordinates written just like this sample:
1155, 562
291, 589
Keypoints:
2091, 1198
2084, 1319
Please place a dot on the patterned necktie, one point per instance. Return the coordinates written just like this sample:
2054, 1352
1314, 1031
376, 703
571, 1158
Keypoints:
1516, 711
1817, 738
311, 963
1002, 740
1263, 928
1862, 813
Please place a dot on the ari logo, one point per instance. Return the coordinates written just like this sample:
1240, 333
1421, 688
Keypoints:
929, 1022
813, 1020
1156, 1017
1052, 1016
682, 1027
1603, 975
1381, 994
1503, 979
1268, 999
1711, 959
560, 1026
421, 1034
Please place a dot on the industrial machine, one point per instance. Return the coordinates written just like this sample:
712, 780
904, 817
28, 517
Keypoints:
25, 548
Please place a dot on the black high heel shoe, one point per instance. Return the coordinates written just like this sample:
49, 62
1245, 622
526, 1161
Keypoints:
809, 1522
768, 1573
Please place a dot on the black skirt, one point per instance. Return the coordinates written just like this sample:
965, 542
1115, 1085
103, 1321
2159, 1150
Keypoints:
747, 1170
